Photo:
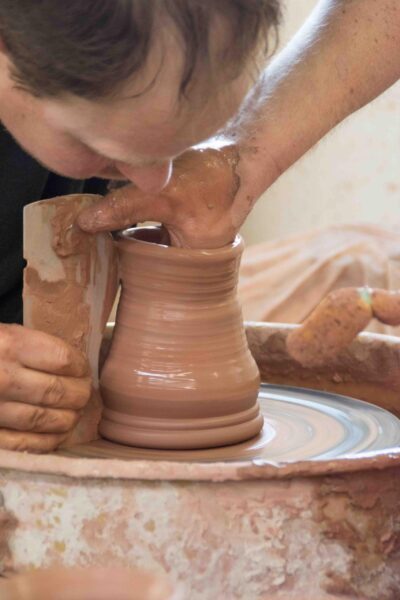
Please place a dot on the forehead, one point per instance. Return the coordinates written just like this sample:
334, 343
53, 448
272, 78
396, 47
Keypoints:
149, 112
159, 121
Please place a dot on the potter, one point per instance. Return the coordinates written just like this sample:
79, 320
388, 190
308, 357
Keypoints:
130, 110
126, 100
121, 89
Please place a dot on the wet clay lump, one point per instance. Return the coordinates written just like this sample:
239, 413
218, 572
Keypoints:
179, 373
337, 320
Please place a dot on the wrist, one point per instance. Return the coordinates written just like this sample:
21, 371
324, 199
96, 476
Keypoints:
256, 170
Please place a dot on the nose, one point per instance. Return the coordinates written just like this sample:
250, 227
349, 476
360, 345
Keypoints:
150, 178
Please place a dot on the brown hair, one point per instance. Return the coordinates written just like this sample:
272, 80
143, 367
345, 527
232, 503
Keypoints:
89, 47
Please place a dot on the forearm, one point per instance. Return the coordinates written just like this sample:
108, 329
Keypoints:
346, 54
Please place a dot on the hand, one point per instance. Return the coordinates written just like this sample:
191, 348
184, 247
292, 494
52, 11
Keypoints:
86, 584
44, 384
197, 207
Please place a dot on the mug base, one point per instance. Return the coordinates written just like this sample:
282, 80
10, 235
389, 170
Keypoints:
181, 434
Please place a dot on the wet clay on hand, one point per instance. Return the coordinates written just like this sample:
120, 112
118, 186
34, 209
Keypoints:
179, 373
337, 320
197, 207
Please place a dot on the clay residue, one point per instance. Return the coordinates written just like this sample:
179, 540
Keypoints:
61, 307
68, 238
209, 178
77, 248
331, 327
201, 171
79, 253
362, 515
8, 524
58, 308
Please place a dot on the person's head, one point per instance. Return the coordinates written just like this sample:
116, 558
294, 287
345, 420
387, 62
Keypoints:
119, 88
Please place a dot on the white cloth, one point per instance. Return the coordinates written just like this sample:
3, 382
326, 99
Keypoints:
284, 280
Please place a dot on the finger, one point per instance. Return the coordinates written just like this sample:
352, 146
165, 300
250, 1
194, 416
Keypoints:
122, 208
35, 387
330, 328
386, 306
35, 419
30, 442
88, 584
40, 351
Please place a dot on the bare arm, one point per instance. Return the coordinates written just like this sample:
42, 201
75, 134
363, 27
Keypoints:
346, 54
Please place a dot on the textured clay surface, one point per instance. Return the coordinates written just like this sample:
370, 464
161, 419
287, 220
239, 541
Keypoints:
179, 373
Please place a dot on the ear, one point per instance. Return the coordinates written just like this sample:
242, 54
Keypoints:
3, 48
5, 59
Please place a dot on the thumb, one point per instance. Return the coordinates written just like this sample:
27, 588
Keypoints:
122, 208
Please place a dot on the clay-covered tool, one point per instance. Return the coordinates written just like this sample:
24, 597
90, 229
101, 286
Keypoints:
69, 286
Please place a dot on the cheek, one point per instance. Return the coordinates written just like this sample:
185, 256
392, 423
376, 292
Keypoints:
69, 158
65, 156
57, 151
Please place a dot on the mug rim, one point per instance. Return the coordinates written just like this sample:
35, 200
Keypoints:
124, 238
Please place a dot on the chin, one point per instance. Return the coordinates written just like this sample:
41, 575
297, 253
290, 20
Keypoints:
70, 173
108, 172
82, 173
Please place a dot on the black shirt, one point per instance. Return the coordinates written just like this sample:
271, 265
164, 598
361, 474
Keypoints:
22, 181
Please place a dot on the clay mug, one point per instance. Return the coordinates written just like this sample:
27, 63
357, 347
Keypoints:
179, 374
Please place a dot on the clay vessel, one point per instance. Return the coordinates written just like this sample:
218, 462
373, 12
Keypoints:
179, 373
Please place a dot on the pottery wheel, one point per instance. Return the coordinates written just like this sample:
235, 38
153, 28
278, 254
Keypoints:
300, 425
